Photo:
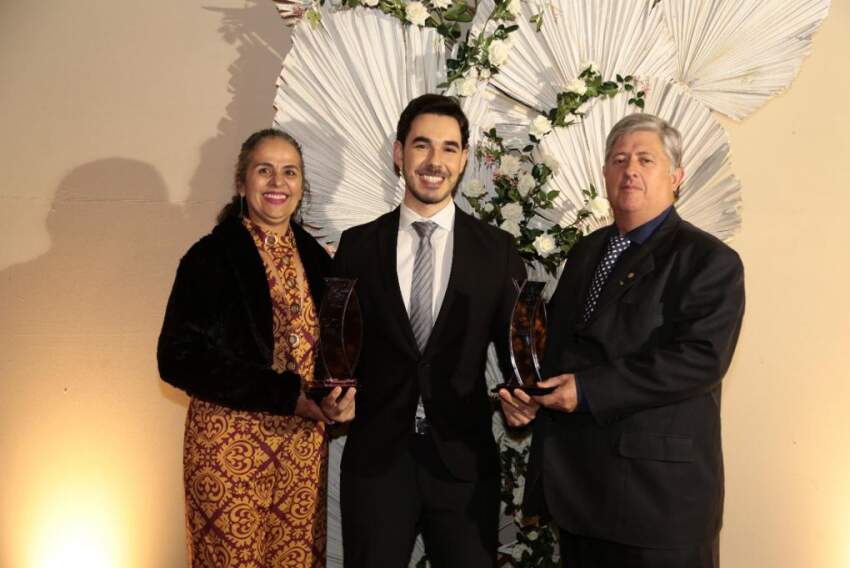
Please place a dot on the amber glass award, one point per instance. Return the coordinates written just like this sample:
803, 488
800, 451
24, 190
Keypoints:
527, 339
340, 338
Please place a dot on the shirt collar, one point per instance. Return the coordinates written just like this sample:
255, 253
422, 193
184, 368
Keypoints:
444, 218
641, 234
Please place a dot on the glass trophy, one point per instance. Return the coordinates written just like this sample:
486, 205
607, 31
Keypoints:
527, 339
340, 339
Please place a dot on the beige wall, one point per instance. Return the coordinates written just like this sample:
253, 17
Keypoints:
120, 124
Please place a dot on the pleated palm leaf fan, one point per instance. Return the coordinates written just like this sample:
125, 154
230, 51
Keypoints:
734, 55
710, 195
626, 38
340, 94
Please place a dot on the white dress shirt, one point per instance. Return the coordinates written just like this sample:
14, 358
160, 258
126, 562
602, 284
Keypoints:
442, 245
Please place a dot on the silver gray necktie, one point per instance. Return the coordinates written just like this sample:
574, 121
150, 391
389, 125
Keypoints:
421, 303
422, 285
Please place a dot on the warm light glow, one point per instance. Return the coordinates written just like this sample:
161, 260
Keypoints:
78, 528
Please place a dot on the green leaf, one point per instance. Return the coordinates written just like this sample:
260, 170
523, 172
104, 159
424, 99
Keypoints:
460, 12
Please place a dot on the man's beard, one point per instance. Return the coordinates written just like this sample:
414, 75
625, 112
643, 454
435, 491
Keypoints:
427, 198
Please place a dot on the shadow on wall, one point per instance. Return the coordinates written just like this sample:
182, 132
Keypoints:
261, 40
81, 404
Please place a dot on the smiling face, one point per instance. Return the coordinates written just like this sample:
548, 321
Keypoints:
431, 160
274, 184
639, 179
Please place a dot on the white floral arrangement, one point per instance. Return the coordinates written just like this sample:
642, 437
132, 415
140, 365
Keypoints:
519, 194
475, 59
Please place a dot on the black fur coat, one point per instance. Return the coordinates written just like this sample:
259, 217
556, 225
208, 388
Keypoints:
216, 341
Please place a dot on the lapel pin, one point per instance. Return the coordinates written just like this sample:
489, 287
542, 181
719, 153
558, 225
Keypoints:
631, 275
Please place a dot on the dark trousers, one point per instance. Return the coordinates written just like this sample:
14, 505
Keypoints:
381, 514
585, 552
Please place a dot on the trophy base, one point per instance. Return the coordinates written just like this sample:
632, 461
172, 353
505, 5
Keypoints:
530, 390
319, 391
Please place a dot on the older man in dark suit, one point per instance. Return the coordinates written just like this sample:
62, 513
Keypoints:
435, 288
626, 454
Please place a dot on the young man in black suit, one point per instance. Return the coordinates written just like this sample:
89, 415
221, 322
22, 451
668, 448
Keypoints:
626, 454
435, 287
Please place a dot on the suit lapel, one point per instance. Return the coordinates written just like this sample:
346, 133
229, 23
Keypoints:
461, 252
634, 266
387, 260
585, 266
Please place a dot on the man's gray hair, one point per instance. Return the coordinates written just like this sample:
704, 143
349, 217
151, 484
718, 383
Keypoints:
671, 139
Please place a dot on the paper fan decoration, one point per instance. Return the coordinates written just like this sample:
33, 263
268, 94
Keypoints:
340, 93
627, 38
710, 194
734, 55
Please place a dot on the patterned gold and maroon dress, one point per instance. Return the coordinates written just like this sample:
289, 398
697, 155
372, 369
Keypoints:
255, 482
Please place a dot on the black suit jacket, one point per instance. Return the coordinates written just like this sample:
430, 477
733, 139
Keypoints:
643, 467
217, 340
450, 373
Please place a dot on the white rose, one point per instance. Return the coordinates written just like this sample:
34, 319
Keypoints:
599, 206
540, 126
511, 227
526, 183
544, 244
416, 13
514, 8
371, 3
551, 163
498, 52
441, 4
512, 212
467, 86
518, 491
474, 188
589, 64
532, 535
485, 74
519, 549
577, 86
509, 165
488, 207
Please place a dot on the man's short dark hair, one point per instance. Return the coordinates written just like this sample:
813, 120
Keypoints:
431, 103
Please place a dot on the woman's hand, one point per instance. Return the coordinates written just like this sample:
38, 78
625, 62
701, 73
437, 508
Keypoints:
306, 408
338, 407
519, 408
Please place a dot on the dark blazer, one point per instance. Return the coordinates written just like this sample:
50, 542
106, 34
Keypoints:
643, 466
217, 342
450, 373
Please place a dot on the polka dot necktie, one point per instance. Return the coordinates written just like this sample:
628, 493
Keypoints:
616, 245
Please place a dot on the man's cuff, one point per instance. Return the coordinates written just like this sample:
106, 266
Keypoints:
583, 405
